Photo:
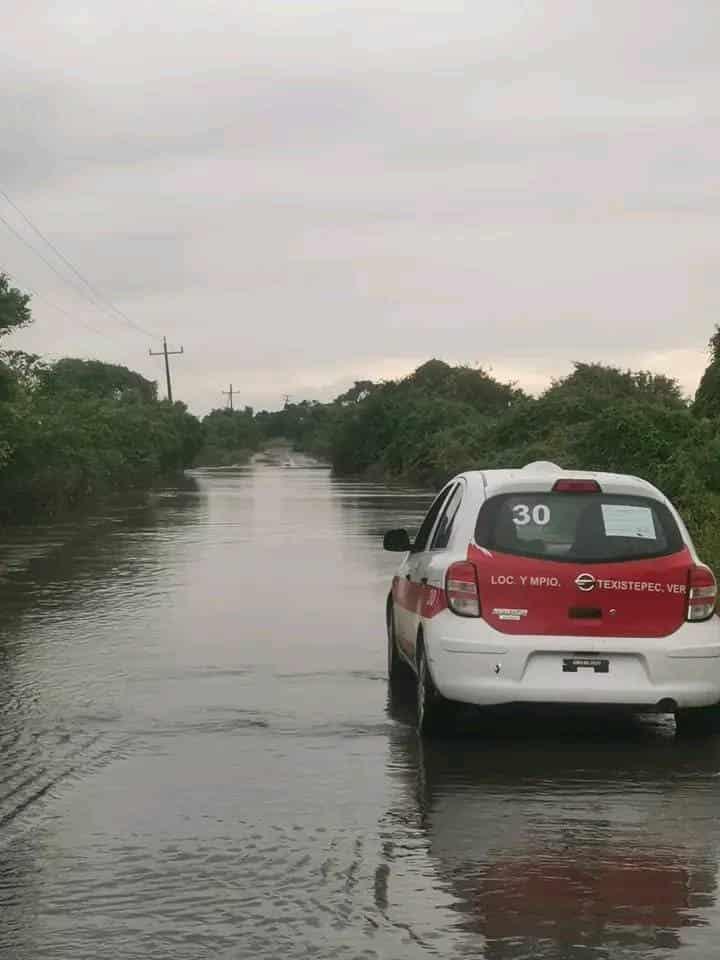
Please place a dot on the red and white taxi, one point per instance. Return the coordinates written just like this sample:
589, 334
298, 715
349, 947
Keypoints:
546, 586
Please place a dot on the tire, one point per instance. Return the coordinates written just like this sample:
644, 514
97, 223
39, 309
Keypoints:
401, 679
698, 721
434, 712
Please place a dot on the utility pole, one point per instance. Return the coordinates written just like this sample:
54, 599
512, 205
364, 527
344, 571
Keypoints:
167, 353
286, 397
229, 393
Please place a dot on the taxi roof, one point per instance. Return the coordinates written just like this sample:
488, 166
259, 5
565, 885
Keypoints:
542, 476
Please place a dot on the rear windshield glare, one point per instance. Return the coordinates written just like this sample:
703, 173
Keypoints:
577, 528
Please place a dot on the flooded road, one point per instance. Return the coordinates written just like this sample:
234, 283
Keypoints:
198, 758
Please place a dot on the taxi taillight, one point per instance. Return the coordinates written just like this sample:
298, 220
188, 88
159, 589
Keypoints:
576, 486
461, 587
702, 593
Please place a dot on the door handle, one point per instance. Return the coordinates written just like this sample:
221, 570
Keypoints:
424, 581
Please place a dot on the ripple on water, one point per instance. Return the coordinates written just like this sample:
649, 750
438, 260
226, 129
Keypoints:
35, 762
196, 760
264, 890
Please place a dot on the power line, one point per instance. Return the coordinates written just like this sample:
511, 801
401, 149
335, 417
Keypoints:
83, 323
72, 316
96, 293
37, 253
97, 299
44, 259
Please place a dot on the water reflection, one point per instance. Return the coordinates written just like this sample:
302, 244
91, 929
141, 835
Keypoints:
565, 845
65, 608
48, 566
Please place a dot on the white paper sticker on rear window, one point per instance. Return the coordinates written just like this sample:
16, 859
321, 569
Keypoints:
622, 520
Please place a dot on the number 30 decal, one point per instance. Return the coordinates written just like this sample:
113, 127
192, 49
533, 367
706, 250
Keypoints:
539, 515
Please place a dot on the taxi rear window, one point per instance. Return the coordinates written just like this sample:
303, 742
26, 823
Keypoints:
577, 528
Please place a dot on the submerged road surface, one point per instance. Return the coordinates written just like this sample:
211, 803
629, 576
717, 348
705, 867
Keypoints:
198, 759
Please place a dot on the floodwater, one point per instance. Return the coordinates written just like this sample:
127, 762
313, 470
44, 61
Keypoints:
198, 758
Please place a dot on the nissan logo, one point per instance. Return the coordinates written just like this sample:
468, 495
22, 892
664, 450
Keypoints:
585, 582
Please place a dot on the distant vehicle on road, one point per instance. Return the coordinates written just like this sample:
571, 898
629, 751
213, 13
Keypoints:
546, 586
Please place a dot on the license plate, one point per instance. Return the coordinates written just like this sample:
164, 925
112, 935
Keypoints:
596, 664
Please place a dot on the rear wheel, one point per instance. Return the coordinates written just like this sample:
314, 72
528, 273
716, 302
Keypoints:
400, 675
698, 721
434, 712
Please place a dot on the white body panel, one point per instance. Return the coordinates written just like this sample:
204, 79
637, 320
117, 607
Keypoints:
473, 663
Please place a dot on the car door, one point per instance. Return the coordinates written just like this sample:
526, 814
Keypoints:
409, 587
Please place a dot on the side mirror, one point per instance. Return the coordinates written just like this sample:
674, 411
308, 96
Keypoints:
397, 540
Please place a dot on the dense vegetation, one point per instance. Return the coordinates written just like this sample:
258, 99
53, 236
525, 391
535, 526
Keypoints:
229, 437
76, 428
444, 419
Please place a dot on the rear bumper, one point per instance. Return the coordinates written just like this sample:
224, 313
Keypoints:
473, 663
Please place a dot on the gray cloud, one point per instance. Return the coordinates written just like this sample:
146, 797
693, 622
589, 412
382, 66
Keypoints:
303, 192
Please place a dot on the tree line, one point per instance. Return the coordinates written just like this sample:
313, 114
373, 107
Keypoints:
444, 419
75, 428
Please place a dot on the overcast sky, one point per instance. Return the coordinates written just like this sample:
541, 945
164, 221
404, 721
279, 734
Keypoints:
303, 193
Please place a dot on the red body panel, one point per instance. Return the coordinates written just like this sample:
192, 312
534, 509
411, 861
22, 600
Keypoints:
637, 598
420, 598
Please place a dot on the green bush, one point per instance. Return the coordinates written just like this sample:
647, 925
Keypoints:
442, 420
59, 447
